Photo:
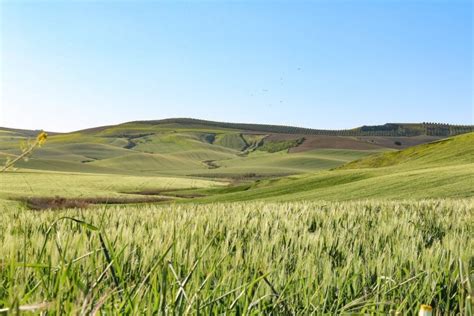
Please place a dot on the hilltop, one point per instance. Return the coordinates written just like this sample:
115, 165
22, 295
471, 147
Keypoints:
388, 129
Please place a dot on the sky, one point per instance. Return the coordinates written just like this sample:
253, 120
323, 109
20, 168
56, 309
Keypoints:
69, 65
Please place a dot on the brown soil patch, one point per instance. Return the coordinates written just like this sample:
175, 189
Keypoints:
312, 142
393, 142
42, 203
211, 164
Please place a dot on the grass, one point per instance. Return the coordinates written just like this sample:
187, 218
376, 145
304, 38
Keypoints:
450, 151
342, 185
187, 160
234, 141
182, 148
374, 257
179, 148
276, 146
16, 185
348, 232
282, 162
442, 169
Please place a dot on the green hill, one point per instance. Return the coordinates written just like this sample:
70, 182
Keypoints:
443, 169
389, 129
205, 148
450, 151
242, 162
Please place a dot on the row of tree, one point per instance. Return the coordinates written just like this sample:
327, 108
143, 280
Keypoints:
389, 129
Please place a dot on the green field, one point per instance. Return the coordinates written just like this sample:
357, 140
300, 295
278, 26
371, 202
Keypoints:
443, 169
143, 218
186, 148
77, 185
286, 258
250, 164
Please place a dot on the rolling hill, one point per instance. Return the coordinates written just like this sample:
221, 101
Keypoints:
189, 147
442, 169
187, 160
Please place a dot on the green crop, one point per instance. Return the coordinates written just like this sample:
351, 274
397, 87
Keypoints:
374, 257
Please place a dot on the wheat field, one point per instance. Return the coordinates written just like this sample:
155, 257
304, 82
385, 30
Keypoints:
370, 257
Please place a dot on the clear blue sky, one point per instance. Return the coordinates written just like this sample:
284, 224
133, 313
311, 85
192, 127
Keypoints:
67, 65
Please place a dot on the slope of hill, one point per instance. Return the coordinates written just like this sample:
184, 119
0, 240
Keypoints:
443, 169
389, 129
211, 149
450, 151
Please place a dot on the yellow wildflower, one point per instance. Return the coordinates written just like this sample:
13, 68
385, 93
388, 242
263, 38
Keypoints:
41, 138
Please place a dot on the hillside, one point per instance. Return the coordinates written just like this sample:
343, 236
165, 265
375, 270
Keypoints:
443, 169
188, 147
148, 162
449, 151
389, 129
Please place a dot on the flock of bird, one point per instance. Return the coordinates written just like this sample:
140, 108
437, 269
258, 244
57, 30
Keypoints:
265, 91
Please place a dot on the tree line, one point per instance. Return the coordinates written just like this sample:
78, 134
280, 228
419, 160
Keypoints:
389, 129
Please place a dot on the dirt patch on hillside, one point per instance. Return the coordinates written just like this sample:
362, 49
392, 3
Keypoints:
333, 142
399, 142
312, 142
211, 164
43, 203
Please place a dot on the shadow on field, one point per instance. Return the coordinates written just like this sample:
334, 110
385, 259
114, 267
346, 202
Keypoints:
43, 203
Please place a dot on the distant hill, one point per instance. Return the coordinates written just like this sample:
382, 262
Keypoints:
389, 129
21, 132
199, 148
442, 169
